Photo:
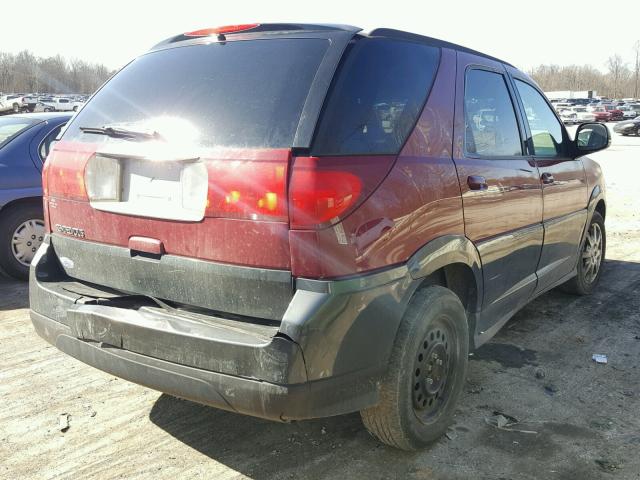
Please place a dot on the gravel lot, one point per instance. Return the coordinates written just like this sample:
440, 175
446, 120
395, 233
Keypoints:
537, 370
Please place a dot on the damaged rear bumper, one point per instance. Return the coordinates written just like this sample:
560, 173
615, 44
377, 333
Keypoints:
228, 392
325, 357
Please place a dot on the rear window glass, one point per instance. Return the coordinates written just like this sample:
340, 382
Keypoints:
11, 127
246, 94
376, 96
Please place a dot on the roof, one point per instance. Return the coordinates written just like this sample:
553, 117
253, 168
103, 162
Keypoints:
319, 27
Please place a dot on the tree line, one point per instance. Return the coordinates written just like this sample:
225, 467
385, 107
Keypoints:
24, 72
621, 79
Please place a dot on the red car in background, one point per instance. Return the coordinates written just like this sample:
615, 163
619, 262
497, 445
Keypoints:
616, 113
601, 113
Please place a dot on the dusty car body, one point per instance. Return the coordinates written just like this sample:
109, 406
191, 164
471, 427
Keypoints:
322, 239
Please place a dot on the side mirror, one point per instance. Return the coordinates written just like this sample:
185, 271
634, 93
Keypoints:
591, 137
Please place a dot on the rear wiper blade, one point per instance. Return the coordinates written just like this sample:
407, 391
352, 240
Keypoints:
122, 132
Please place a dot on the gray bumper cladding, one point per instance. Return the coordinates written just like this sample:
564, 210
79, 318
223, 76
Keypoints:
325, 357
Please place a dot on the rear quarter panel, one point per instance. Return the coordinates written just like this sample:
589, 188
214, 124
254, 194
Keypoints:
418, 201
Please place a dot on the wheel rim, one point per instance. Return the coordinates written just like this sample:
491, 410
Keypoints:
592, 253
26, 240
433, 367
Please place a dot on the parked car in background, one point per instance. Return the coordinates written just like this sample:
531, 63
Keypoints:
583, 115
58, 104
30, 102
562, 106
568, 116
25, 140
10, 103
628, 127
265, 249
635, 107
627, 112
601, 113
78, 104
614, 110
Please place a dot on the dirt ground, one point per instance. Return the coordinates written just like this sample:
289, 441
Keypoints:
583, 418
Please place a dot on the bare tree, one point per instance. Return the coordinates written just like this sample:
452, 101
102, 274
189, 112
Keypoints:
636, 71
617, 72
25, 73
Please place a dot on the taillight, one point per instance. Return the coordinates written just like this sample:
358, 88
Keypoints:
323, 190
254, 188
319, 196
45, 179
63, 174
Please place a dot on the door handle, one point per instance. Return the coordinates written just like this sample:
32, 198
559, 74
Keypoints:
547, 178
477, 182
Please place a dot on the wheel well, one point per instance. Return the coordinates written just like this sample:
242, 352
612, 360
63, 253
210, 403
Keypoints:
20, 201
459, 278
601, 208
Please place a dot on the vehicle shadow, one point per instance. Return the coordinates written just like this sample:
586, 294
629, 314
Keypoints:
13, 293
260, 449
340, 447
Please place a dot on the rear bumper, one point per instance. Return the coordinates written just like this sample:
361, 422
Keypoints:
228, 392
325, 357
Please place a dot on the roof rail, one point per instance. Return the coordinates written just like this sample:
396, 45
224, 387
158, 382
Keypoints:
402, 35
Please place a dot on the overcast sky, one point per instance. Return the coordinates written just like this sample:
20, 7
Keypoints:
524, 33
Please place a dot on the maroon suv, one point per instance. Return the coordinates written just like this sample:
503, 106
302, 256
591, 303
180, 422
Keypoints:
324, 221
615, 112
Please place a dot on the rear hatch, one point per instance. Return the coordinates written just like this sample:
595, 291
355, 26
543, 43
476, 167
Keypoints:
191, 176
185, 153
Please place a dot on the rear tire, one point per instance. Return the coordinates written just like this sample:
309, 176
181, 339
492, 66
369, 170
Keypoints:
17, 227
16, 108
426, 374
590, 259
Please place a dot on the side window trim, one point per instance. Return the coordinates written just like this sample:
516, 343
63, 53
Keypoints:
516, 112
529, 139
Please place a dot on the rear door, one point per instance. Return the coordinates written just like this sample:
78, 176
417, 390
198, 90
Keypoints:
564, 186
500, 186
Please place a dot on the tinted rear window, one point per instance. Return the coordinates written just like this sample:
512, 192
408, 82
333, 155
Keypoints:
247, 94
376, 96
11, 127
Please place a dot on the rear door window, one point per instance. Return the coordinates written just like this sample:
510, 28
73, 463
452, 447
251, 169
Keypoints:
491, 127
245, 94
376, 97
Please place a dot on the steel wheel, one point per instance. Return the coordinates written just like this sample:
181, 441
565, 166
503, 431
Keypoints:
432, 368
26, 240
426, 373
592, 253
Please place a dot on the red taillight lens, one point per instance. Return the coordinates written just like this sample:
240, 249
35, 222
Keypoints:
63, 174
321, 194
254, 189
222, 30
